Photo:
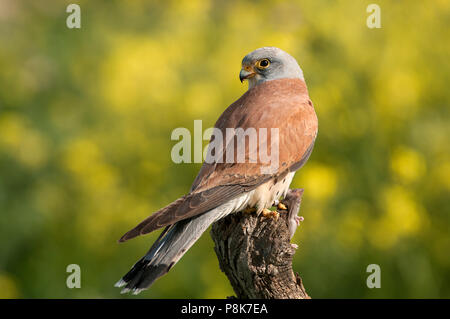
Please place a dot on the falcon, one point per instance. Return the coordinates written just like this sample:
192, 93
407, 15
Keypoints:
277, 97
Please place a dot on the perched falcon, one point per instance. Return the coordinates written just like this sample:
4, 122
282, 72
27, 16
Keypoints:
277, 97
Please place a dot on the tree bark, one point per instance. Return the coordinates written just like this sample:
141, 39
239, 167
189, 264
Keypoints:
256, 255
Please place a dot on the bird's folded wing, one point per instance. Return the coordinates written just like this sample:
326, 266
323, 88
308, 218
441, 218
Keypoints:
193, 204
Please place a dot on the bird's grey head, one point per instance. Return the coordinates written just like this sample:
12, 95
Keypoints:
268, 63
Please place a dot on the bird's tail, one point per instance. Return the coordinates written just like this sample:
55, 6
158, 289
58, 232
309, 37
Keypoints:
171, 245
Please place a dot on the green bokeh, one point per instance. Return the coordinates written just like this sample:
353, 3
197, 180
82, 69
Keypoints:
86, 117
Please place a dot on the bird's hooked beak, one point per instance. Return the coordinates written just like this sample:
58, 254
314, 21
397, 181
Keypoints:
247, 72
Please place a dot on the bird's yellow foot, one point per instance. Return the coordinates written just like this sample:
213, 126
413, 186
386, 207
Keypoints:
282, 206
270, 213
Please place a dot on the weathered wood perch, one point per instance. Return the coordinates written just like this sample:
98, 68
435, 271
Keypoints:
255, 253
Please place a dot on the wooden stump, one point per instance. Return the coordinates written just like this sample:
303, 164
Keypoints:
256, 255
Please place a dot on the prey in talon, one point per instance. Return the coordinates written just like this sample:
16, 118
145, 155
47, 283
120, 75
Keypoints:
293, 200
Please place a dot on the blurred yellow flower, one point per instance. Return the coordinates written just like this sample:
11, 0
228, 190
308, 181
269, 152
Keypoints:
12, 128
403, 216
84, 159
138, 74
201, 97
407, 164
318, 180
27, 145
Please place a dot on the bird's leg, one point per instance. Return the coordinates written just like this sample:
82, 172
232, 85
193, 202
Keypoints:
292, 201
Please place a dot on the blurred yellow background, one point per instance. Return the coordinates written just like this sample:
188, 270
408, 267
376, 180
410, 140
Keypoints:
86, 116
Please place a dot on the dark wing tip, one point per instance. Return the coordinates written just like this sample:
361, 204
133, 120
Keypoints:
129, 235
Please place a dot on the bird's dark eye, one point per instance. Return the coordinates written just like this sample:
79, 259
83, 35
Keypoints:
262, 64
